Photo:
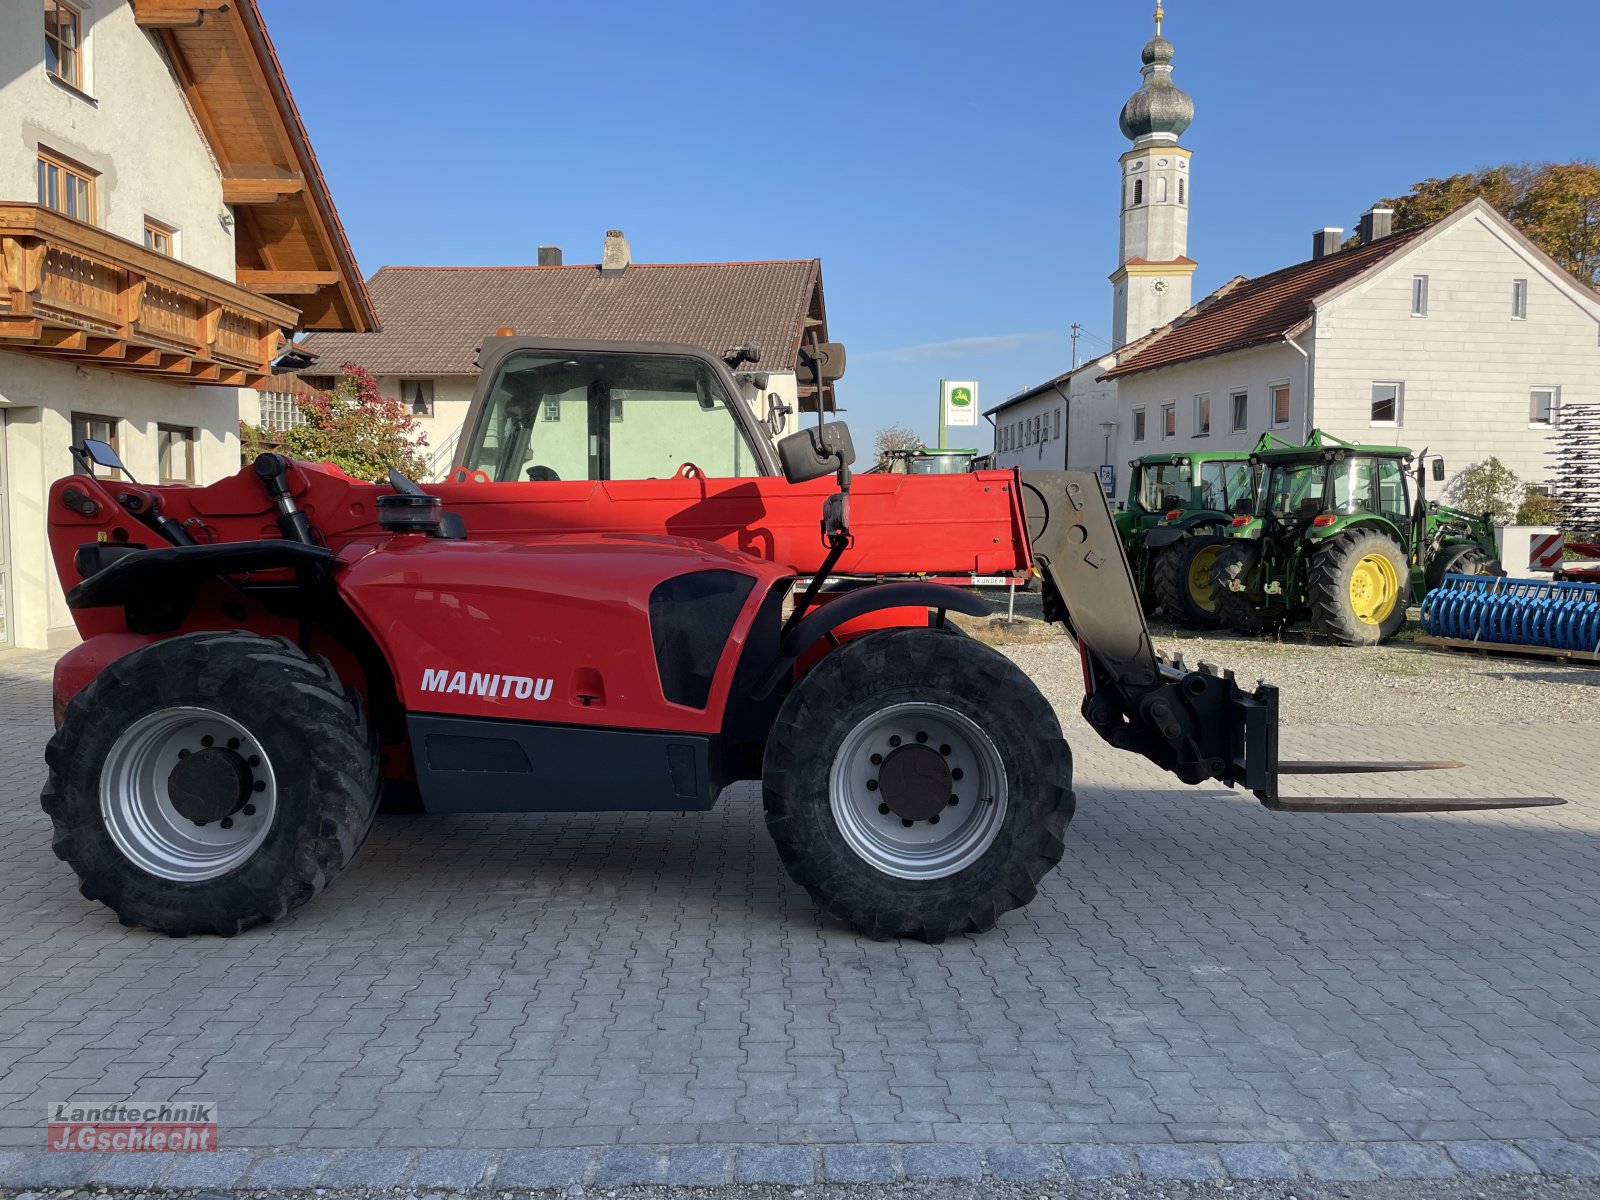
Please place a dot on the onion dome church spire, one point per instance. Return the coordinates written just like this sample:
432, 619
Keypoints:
1159, 109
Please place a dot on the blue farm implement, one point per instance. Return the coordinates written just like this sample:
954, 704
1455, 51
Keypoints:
1532, 616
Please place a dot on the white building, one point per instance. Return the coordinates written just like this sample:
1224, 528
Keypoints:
163, 223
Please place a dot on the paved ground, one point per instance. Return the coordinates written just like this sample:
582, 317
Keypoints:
1203, 987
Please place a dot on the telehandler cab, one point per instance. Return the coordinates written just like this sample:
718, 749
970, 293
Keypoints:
263, 656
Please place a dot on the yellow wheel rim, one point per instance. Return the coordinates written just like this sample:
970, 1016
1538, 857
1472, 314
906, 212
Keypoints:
1374, 588
1200, 589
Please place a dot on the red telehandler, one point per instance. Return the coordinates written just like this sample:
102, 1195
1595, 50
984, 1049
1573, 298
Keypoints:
614, 605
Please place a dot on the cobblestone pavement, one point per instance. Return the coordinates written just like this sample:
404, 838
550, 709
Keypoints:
1204, 987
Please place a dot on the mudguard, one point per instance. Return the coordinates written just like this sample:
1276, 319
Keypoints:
1161, 536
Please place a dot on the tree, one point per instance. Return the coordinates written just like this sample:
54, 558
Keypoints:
354, 426
895, 437
1557, 205
1492, 487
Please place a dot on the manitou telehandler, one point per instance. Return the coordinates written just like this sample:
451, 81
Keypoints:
265, 656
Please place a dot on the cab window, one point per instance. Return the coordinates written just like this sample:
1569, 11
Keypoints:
607, 416
1164, 485
1214, 493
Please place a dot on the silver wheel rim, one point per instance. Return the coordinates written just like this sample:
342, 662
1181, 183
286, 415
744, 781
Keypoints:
138, 809
960, 833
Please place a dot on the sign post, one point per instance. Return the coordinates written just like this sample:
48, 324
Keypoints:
958, 405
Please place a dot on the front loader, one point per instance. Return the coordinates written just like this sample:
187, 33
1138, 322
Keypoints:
264, 657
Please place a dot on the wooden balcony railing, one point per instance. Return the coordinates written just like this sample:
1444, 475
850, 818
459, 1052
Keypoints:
69, 290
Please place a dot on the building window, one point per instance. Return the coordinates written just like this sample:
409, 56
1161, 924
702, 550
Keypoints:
159, 237
281, 410
1058, 424
417, 395
1519, 299
1543, 402
552, 411
1419, 295
1138, 192
1280, 405
66, 187
63, 43
103, 429
1183, 191
1161, 189
1202, 415
1169, 420
1387, 403
616, 410
175, 448
1241, 412
1138, 424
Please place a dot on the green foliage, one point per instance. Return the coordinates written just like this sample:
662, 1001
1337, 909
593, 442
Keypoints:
1490, 487
1538, 507
354, 426
1557, 205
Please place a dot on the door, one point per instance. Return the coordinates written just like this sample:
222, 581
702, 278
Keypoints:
6, 636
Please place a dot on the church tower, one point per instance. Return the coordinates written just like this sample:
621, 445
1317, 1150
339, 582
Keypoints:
1153, 283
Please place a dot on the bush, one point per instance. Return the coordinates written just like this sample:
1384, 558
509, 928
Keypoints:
354, 426
1489, 487
1539, 507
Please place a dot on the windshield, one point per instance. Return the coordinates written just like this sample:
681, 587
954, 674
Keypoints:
614, 415
940, 464
1163, 486
1295, 490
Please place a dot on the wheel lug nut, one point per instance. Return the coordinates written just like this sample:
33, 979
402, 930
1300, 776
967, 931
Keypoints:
259, 785
883, 810
906, 823
894, 739
922, 737
253, 761
208, 740
872, 785
200, 824
227, 822
954, 799
183, 754
933, 820
249, 810
233, 743
956, 773
877, 760
945, 750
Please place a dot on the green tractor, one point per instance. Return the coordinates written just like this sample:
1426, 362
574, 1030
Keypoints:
1343, 535
1174, 522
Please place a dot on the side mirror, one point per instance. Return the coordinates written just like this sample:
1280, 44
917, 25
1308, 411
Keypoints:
1438, 470
812, 453
821, 363
777, 414
102, 454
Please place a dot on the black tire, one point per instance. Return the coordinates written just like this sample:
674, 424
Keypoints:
310, 729
857, 685
1175, 580
1334, 608
1234, 564
1462, 559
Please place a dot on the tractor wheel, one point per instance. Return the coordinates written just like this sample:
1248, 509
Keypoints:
1464, 559
917, 785
1184, 583
1359, 586
1232, 565
211, 782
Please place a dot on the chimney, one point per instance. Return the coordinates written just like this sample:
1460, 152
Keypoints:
549, 256
1376, 224
1326, 241
616, 255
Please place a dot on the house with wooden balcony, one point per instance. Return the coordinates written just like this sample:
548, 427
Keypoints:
164, 230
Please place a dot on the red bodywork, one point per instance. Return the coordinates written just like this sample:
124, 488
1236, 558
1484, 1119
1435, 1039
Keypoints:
542, 613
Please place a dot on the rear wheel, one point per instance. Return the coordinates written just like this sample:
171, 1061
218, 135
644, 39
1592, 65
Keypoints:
1184, 581
1464, 559
211, 782
1231, 572
1359, 586
917, 785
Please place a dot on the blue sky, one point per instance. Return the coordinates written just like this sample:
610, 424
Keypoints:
954, 165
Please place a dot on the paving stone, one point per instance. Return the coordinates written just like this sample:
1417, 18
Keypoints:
9, 1159
859, 1164
1489, 1158
1096, 1162
289, 1169
542, 1168
59, 1169
621, 1166
1410, 1160
1335, 1163
1176, 1162
453, 1170
774, 1164
941, 1162
697, 1166
218, 1169
1257, 1160
136, 1170
1558, 1156
1024, 1163
366, 1168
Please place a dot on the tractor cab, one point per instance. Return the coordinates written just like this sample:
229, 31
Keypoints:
925, 461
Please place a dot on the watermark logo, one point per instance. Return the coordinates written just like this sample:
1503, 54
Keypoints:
129, 1125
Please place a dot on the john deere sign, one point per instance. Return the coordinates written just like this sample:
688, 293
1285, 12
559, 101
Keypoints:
958, 402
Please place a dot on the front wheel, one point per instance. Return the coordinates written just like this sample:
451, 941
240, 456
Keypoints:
1462, 559
917, 785
210, 782
1359, 586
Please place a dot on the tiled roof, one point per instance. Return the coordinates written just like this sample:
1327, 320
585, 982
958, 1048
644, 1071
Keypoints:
1252, 312
435, 317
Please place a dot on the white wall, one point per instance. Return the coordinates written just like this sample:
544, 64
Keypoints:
1468, 365
1012, 427
1093, 404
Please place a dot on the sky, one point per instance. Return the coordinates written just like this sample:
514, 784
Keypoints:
953, 165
